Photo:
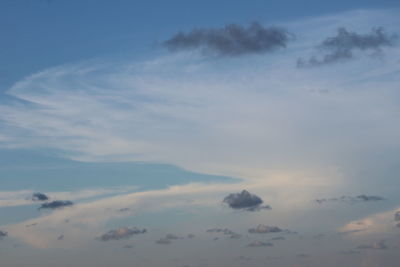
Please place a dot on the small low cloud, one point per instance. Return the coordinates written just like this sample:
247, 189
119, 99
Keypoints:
56, 204
278, 238
397, 216
230, 41
381, 245
173, 237
61, 237
260, 244
351, 199
342, 46
121, 233
349, 252
302, 255
190, 236
264, 229
164, 241
225, 231
39, 197
245, 201
3, 234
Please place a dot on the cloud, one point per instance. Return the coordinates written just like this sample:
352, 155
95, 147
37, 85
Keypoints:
231, 40
350, 199
61, 237
225, 231
39, 197
381, 245
260, 244
342, 46
397, 216
164, 241
172, 237
56, 204
121, 233
278, 238
263, 229
245, 201
3, 234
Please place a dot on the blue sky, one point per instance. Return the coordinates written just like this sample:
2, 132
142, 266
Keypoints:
142, 122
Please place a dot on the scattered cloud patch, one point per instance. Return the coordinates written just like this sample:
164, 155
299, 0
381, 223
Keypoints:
350, 199
260, 244
231, 40
225, 231
56, 204
121, 233
278, 238
164, 241
61, 237
381, 245
3, 234
264, 229
39, 197
397, 216
342, 46
245, 201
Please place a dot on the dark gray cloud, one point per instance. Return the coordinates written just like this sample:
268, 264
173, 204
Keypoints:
121, 233
397, 216
350, 199
56, 204
3, 234
231, 40
32, 224
381, 245
264, 229
190, 236
342, 46
245, 201
173, 237
61, 237
260, 244
39, 197
278, 238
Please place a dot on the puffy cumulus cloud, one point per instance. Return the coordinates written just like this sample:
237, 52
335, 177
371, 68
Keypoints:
260, 244
351, 199
39, 197
3, 234
342, 46
264, 229
245, 201
381, 245
231, 40
57, 204
121, 233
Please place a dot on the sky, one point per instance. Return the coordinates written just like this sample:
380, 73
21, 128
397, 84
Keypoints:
199, 133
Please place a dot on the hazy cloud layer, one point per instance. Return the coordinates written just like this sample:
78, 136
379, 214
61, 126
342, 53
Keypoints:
56, 204
260, 244
39, 197
397, 216
350, 199
231, 40
121, 233
264, 229
342, 46
245, 201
